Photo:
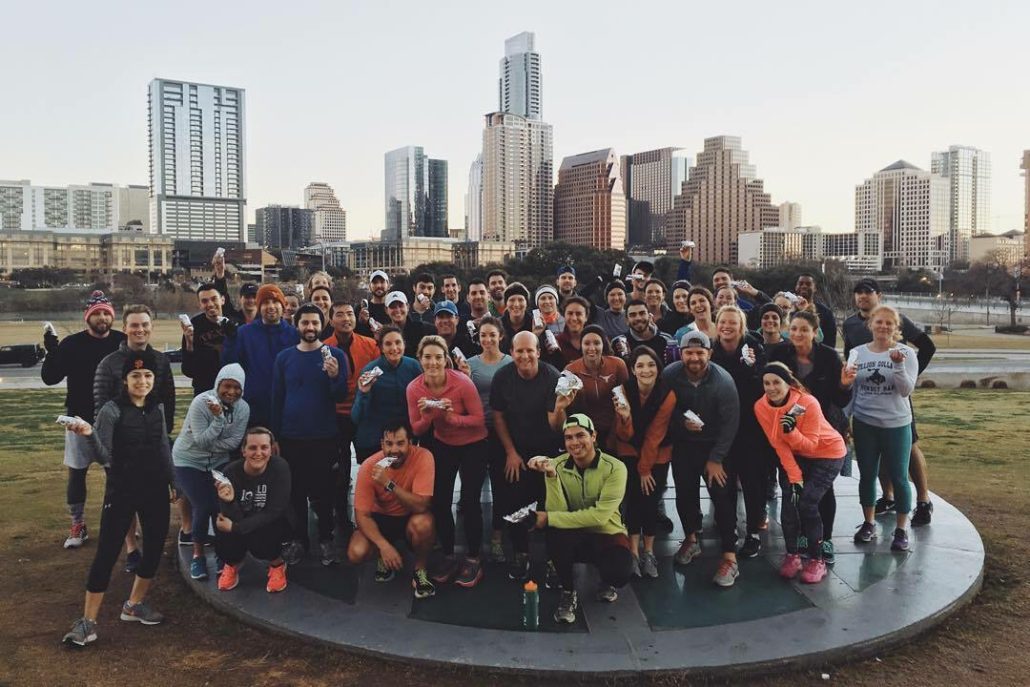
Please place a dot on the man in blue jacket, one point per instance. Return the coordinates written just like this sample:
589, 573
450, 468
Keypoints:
255, 347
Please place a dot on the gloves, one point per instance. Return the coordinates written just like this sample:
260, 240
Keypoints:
788, 422
795, 493
50, 342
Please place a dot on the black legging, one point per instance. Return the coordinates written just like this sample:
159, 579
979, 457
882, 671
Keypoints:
470, 462
753, 459
688, 469
77, 485
510, 496
640, 511
264, 543
150, 503
495, 469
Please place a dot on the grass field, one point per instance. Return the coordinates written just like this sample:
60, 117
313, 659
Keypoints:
975, 442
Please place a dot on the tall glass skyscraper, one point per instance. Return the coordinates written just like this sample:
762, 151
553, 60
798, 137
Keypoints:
197, 161
416, 194
436, 219
968, 171
520, 87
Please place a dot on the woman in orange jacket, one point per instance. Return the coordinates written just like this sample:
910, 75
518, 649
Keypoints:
811, 453
641, 425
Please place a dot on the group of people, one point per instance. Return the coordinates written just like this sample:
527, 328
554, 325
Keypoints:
574, 402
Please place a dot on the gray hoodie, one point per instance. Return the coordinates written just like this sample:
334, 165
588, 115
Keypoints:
206, 440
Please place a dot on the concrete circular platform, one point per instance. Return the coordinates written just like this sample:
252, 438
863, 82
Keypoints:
680, 622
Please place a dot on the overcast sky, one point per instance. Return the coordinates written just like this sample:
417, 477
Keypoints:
823, 93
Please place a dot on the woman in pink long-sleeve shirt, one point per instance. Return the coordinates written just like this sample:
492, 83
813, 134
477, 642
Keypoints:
446, 412
811, 452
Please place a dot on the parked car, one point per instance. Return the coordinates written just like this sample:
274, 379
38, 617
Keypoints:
174, 355
25, 355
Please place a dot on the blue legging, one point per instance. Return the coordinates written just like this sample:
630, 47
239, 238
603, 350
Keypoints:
891, 446
199, 488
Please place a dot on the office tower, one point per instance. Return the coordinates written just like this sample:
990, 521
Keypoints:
1026, 200
436, 211
518, 191
909, 208
968, 171
721, 198
520, 88
93, 207
197, 161
790, 216
407, 193
652, 179
284, 227
474, 201
589, 201
330, 220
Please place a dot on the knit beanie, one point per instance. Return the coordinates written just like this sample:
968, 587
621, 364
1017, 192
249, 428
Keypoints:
546, 288
516, 289
98, 302
139, 360
612, 285
270, 292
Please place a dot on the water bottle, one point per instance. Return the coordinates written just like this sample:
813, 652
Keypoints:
530, 606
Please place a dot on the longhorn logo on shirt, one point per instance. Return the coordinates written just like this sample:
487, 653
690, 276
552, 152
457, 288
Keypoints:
876, 377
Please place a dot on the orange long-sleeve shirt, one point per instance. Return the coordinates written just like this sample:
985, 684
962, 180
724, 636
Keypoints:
813, 437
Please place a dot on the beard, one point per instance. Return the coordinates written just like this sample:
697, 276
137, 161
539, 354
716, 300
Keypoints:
99, 328
309, 336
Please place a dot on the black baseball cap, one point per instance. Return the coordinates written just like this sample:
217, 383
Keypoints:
867, 284
249, 289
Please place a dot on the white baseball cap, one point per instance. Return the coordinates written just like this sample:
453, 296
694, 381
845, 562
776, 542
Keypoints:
378, 274
395, 296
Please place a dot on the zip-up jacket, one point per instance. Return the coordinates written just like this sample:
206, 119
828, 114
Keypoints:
255, 347
132, 444
812, 437
385, 401
359, 351
715, 401
589, 500
207, 440
108, 384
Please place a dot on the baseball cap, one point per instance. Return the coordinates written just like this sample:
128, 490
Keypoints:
445, 307
395, 296
867, 284
249, 289
579, 420
379, 274
566, 268
695, 339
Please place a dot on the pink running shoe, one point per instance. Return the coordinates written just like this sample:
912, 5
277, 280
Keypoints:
791, 566
814, 572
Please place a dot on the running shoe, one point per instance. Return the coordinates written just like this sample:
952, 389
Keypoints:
922, 516
790, 566
814, 571
422, 585
383, 574
727, 573
829, 557
607, 594
293, 553
83, 632
689, 550
497, 552
228, 578
883, 505
900, 542
648, 565
866, 533
132, 560
445, 570
551, 576
78, 536
141, 613
198, 568
329, 553
518, 568
751, 548
566, 611
634, 571
276, 578
470, 574
185, 538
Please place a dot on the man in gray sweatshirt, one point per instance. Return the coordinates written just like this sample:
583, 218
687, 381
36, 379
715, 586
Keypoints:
702, 430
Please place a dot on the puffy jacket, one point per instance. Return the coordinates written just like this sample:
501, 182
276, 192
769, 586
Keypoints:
132, 444
255, 348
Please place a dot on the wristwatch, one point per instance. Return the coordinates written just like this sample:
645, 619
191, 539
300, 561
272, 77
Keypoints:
390, 486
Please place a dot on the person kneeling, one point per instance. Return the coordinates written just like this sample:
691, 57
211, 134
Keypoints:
584, 489
254, 515
392, 498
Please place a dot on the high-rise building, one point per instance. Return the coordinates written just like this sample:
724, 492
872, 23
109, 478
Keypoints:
436, 211
330, 220
652, 179
197, 161
94, 207
474, 201
790, 215
1026, 201
520, 90
589, 201
968, 171
860, 252
721, 198
284, 227
910, 209
518, 186
407, 193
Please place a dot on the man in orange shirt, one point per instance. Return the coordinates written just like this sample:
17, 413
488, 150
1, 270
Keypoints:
392, 500
359, 351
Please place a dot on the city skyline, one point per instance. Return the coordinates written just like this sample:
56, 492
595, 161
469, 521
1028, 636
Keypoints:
814, 127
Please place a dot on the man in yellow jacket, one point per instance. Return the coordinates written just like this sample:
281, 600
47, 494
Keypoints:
584, 489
